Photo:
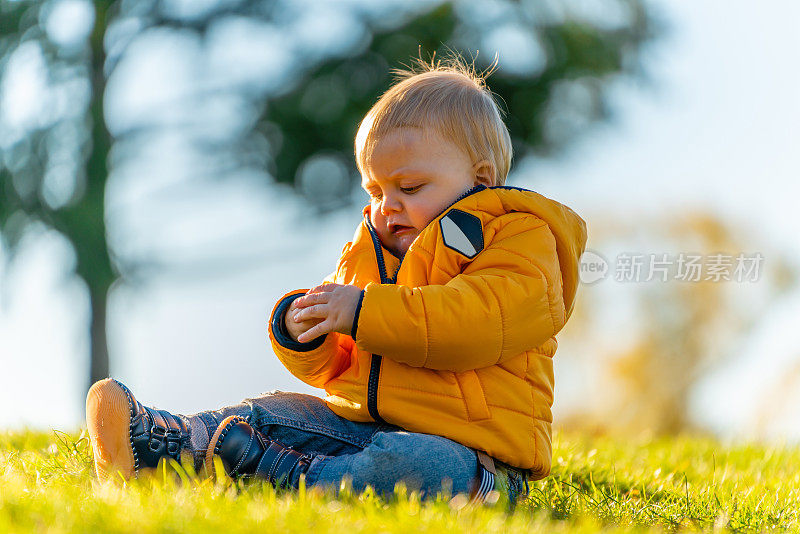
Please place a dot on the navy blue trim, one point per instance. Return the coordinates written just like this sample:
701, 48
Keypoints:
512, 188
280, 333
375, 360
372, 388
376, 243
354, 329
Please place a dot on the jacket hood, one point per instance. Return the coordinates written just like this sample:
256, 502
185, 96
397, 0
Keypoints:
568, 228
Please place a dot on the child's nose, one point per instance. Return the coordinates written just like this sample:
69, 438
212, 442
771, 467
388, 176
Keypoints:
389, 205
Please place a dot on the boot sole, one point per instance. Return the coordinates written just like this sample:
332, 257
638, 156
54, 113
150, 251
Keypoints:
108, 420
222, 429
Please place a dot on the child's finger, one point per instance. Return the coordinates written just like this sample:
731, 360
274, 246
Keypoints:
315, 332
322, 288
312, 298
315, 289
317, 311
306, 325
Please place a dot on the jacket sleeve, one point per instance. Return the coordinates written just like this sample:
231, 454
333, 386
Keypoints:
506, 301
315, 362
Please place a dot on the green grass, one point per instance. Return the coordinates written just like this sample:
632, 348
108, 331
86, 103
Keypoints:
597, 483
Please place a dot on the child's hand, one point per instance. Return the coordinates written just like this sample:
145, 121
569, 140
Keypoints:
331, 306
293, 327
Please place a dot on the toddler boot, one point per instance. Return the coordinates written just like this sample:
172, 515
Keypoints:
127, 436
247, 453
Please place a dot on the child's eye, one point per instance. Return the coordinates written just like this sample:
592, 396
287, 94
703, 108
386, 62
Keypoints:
375, 195
410, 190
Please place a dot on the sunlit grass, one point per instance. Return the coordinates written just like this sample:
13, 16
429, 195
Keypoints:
598, 483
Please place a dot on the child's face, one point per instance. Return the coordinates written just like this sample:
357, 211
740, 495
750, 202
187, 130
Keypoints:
412, 176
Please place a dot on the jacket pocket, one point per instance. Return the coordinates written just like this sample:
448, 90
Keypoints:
472, 393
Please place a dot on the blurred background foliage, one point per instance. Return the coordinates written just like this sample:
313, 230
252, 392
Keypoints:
649, 350
280, 89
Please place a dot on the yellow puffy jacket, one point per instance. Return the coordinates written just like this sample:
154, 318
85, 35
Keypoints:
457, 339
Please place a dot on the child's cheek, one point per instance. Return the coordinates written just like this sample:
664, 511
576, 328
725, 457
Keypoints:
376, 217
379, 223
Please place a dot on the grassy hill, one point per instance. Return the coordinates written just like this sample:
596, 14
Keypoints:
597, 483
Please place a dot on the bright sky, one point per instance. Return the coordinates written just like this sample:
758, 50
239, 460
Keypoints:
720, 129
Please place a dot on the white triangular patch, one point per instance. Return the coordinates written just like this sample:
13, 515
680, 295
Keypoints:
455, 238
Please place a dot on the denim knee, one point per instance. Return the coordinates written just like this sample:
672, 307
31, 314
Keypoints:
422, 462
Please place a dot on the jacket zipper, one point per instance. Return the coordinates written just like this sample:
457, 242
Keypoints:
376, 359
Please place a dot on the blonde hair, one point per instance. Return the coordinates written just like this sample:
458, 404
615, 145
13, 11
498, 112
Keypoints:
450, 97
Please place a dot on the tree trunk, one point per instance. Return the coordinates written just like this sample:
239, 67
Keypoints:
99, 350
94, 259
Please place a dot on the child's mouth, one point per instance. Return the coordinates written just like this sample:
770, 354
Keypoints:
399, 229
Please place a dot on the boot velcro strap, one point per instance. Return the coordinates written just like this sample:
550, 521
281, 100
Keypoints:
277, 463
287, 464
266, 465
165, 428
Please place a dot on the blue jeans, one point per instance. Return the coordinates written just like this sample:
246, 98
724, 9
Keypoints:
375, 454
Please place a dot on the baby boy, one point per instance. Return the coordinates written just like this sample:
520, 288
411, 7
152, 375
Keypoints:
433, 338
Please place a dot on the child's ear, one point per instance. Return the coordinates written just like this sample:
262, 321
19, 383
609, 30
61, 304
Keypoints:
484, 173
